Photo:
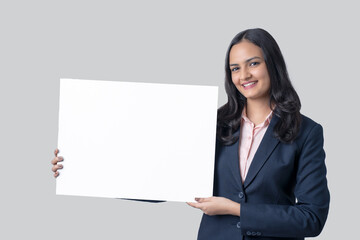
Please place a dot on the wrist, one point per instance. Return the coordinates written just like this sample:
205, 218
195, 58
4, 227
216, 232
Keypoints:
235, 209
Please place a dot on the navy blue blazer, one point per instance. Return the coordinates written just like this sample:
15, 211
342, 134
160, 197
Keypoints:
284, 195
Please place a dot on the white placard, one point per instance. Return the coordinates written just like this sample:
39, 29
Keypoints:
136, 140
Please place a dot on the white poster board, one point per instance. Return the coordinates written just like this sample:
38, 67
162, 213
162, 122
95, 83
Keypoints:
136, 140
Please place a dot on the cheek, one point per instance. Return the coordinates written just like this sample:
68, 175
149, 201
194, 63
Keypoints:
236, 82
263, 74
234, 79
267, 80
260, 73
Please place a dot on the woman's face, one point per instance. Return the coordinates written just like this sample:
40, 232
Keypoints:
249, 72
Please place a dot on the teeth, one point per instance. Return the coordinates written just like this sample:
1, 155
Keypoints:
248, 84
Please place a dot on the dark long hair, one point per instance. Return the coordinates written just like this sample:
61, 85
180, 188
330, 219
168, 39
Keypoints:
282, 94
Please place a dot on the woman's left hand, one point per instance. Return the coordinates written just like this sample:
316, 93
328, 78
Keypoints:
216, 206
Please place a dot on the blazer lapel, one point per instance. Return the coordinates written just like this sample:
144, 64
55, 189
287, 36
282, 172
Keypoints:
266, 147
232, 152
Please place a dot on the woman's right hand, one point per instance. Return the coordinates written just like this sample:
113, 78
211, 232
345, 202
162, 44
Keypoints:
55, 164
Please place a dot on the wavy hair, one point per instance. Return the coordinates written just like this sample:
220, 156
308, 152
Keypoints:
282, 94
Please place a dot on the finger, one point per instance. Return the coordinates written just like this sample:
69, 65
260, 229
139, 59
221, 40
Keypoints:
190, 204
56, 174
194, 205
56, 152
201, 200
56, 160
57, 167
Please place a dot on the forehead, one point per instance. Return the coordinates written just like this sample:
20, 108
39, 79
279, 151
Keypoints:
244, 50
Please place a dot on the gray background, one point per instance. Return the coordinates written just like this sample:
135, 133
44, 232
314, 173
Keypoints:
159, 41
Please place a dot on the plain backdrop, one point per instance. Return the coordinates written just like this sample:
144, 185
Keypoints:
180, 42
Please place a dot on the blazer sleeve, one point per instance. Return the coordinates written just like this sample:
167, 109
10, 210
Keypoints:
307, 217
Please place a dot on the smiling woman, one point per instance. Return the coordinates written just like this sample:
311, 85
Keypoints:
270, 174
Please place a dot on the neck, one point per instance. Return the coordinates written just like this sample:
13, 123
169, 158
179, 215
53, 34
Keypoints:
257, 111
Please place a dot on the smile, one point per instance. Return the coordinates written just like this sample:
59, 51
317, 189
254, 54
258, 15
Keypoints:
249, 85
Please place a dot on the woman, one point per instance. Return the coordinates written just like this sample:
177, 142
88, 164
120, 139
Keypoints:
270, 175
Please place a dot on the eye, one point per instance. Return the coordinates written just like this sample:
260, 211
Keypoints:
254, 63
234, 69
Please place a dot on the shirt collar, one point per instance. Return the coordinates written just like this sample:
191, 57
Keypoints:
265, 123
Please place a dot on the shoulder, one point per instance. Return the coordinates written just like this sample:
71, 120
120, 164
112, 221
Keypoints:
309, 130
308, 125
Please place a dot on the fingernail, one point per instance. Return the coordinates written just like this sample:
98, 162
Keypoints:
197, 199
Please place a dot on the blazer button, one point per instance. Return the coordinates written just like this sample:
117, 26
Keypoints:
241, 195
248, 233
238, 225
258, 234
253, 233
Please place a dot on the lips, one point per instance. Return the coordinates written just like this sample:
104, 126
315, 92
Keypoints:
249, 85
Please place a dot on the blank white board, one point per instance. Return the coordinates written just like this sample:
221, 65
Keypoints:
136, 140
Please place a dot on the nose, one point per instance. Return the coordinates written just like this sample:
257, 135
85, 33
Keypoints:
245, 75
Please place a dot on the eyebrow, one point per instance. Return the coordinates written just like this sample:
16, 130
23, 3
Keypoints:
248, 60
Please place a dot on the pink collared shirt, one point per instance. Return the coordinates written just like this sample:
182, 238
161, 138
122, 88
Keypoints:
250, 138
